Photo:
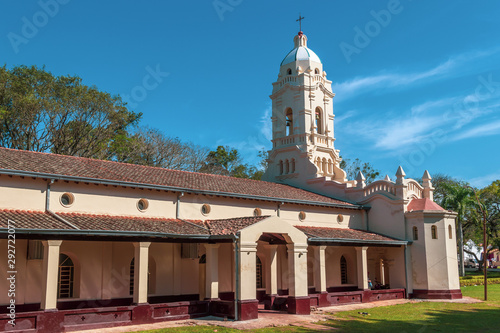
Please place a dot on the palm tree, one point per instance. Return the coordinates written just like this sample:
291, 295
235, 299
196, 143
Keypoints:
460, 199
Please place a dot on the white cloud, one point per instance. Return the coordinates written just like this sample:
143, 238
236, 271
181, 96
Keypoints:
492, 128
344, 116
266, 128
432, 105
484, 181
360, 85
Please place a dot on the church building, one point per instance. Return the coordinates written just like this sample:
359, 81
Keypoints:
100, 243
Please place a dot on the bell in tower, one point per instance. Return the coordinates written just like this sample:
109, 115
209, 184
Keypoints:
302, 121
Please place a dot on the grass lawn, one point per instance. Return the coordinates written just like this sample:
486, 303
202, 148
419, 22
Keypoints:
411, 317
428, 316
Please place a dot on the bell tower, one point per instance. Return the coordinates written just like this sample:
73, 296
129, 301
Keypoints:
302, 121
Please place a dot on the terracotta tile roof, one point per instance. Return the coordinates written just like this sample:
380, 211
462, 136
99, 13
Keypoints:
342, 233
85, 222
231, 226
30, 220
139, 224
71, 166
423, 204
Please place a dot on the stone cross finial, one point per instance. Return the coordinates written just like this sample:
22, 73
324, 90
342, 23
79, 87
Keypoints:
300, 21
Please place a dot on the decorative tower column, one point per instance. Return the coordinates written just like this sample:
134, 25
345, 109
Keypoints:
302, 118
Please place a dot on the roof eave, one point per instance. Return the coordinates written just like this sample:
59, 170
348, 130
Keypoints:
347, 241
115, 233
171, 188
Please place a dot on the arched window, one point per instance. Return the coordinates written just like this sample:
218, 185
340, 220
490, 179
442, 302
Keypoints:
318, 118
318, 164
415, 233
343, 270
293, 165
258, 272
281, 167
325, 166
151, 272
66, 277
316, 71
287, 167
131, 285
434, 232
289, 122
330, 167
289, 71
450, 232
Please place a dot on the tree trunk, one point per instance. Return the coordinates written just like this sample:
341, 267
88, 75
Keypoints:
461, 269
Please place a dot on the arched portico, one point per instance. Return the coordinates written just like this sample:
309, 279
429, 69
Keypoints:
296, 274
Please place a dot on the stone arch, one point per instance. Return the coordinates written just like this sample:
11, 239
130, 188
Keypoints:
288, 122
318, 120
66, 277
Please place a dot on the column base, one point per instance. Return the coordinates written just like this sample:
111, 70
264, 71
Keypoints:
436, 294
300, 305
248, 309
323, 299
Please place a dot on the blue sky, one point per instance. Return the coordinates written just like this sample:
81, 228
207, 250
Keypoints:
417, 83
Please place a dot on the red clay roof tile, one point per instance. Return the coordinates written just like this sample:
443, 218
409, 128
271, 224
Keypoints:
231, 226
342, 233
28, 161
24, 219
423, 204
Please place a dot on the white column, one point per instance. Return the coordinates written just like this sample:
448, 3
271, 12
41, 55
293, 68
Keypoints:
247, 280
272, 269
362, 267
382, 272
212, 271
319, 268
141, 260
50, 274
297, 270
107, 266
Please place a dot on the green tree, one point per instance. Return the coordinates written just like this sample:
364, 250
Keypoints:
352, 167
460, 199
489, 198
227, 161
59, 114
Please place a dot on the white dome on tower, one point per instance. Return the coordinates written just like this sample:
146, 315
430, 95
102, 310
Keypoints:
301, 51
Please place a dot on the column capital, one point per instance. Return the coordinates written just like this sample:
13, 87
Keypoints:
361, 248
297, 247
52, 242
319, 247
142, 244
248, 247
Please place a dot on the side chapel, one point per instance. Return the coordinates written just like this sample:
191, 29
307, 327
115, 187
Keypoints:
100, 243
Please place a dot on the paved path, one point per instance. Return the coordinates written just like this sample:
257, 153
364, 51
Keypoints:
274, 319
